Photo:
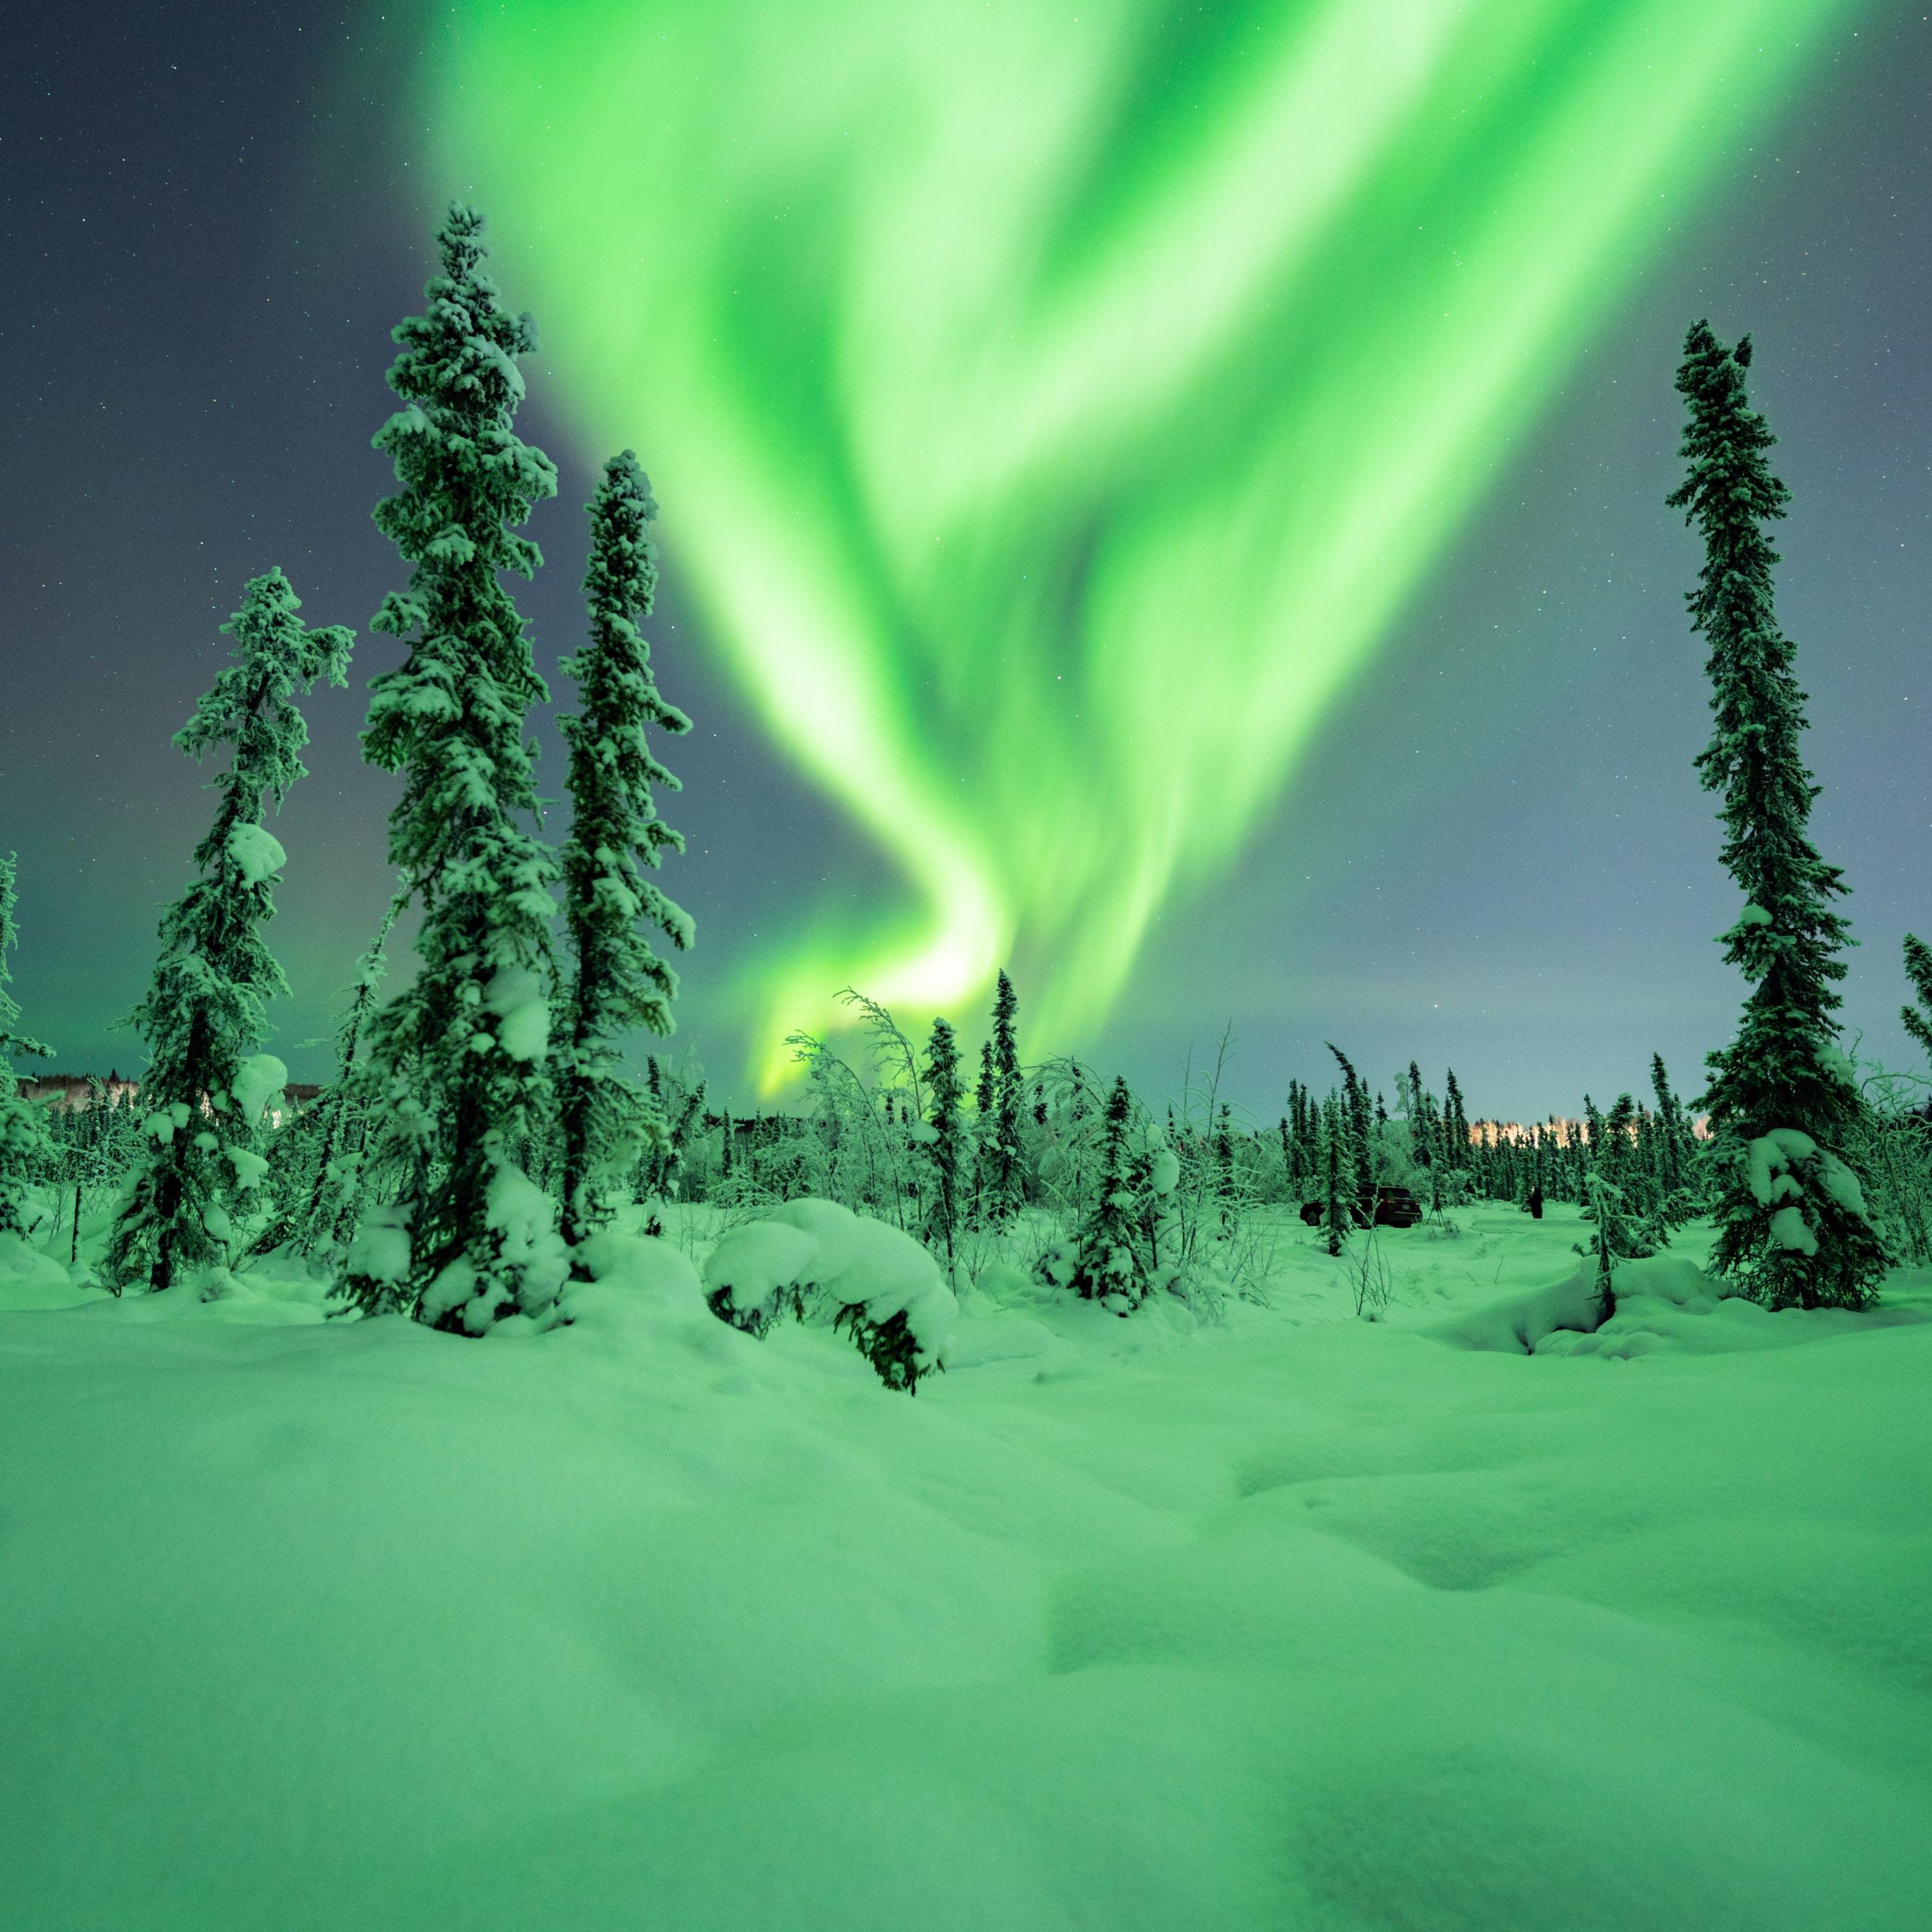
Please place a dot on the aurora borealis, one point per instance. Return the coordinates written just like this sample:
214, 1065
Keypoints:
1169, 500
1058, 408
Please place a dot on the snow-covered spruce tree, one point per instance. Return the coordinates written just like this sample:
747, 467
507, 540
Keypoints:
1335, 1215
944, 1137
204, 1016
1008, 1173
459, 1058
1670, 1135
26, 1153
1426, 1138
1455, 1128
1618, 1180
1358, 1158
616, 840
93, 1147
984, 1108
1616, 1239
1103, 1254
1792, 1227
1298, 1153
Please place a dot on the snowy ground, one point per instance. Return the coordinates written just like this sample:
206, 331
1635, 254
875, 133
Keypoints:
1299, 1621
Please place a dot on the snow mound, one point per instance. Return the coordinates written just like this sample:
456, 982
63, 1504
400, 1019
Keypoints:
28, 1279
1517, 1324
883, 1285
632, 1276
1668, 1304
1664, 1303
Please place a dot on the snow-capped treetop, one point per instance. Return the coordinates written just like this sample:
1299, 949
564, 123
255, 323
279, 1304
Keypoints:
452, 715
250, 705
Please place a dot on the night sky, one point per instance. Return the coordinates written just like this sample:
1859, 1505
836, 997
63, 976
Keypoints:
1490, 852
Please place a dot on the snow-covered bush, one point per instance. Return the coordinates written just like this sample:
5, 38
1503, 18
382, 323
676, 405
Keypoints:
813, 1257
868, 1122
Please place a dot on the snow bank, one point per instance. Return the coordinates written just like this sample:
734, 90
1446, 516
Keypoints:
1666, 1304
29, 1279
1517, 1323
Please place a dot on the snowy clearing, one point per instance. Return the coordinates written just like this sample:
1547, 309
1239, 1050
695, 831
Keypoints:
1298, 1621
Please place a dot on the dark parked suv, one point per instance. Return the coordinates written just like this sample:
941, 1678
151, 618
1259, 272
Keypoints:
1394, 1207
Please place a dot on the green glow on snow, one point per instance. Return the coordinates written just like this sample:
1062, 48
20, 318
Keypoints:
1053, 407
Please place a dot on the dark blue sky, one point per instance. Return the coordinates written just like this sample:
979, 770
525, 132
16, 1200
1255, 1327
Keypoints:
1498, 858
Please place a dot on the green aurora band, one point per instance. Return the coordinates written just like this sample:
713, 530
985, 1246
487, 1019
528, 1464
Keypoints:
1054, 408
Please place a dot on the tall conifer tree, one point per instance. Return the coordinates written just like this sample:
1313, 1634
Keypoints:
943, 1138
1455, 1123
1335, 1217
984, 1110
1007, 1093
1670, 1129
461, 1056
1358, 1168
616, 840
205, 1014
1793, 1229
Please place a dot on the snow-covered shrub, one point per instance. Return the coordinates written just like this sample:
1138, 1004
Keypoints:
671, 1162
1146, 1205
876, 1283
1894, 1153
868, 1124
1891, 1150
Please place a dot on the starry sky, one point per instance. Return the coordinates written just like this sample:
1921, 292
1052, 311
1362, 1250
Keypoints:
1484, 847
